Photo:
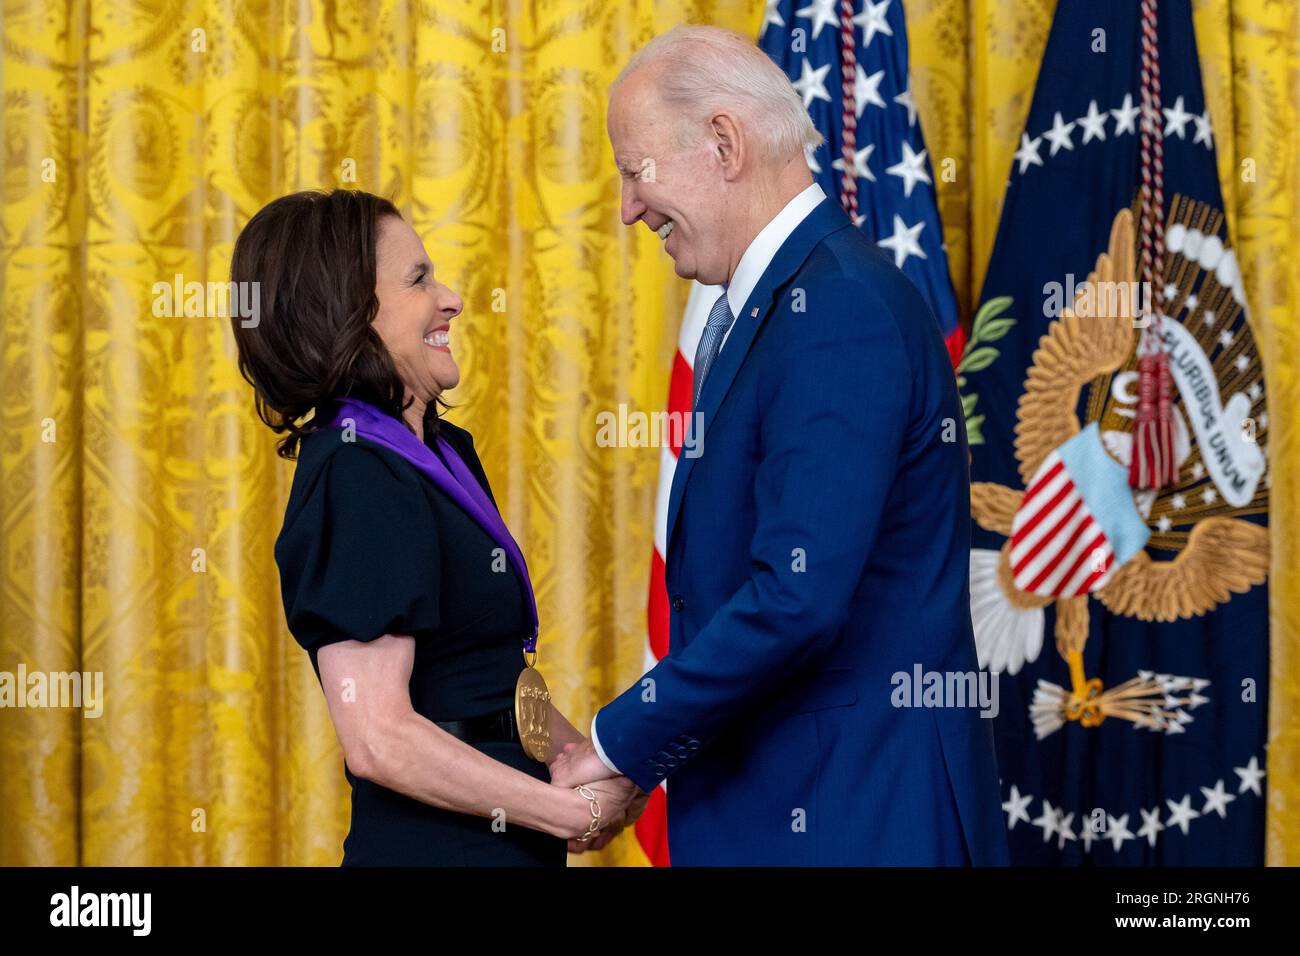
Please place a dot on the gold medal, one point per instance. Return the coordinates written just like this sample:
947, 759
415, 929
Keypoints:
533, 710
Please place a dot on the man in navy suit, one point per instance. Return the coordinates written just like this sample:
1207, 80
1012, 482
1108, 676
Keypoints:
818, 546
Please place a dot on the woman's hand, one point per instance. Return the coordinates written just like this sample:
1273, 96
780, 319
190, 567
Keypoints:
615, 797
612, 824
605, 835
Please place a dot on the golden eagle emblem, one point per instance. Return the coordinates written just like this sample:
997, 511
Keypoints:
1221, 472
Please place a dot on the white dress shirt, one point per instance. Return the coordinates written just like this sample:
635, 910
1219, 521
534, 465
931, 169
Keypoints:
758, 256
764, 248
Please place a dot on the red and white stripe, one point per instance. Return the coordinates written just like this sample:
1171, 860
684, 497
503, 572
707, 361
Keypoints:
1057, 547
652, 828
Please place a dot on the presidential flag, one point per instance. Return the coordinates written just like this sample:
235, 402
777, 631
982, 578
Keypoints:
1127, 619
849, 63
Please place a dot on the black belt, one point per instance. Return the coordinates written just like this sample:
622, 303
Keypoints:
489, 728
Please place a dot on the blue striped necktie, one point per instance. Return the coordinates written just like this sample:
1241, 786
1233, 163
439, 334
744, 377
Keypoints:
706, 352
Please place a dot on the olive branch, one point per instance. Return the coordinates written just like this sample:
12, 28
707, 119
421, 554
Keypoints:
989, 326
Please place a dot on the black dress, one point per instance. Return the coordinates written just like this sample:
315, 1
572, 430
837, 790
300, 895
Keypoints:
370, 546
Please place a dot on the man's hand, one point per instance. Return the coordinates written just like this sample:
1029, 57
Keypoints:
578, 764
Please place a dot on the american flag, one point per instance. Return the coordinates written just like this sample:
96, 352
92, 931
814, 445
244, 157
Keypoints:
1067, 536
849, 63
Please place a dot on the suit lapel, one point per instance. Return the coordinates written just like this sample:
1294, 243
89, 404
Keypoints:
826, 218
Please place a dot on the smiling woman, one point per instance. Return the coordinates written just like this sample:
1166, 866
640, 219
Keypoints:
390, 555
414, 317
317, 308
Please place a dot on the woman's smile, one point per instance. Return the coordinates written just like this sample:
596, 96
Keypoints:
439, 337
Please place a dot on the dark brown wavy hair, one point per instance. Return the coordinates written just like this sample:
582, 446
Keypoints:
312, 255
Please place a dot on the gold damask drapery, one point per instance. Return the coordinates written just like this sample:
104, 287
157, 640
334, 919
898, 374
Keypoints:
139, 496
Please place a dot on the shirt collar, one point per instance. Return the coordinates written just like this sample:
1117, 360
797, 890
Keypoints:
764, 248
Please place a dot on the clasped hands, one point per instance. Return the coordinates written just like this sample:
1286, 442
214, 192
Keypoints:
621, 800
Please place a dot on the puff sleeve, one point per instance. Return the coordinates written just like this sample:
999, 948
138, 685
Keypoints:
358, 553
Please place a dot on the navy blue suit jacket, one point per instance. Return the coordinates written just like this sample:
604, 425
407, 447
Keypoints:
817, 546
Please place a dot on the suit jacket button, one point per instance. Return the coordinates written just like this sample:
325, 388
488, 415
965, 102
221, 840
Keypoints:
678, 602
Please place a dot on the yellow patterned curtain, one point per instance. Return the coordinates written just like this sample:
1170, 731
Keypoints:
139, 496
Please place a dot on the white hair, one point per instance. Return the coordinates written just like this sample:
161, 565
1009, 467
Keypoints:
702, 69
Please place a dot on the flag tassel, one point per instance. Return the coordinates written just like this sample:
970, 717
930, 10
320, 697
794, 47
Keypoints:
1152, 463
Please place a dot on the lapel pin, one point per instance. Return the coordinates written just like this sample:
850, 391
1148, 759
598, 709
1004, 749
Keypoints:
754, 313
